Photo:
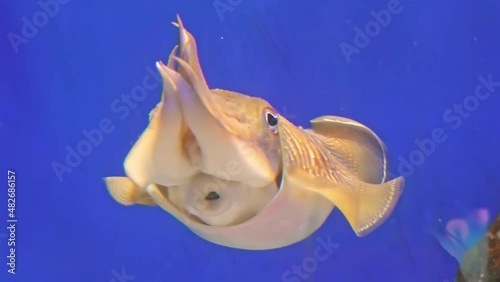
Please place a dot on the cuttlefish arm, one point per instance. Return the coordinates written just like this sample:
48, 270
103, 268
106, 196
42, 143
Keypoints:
160, 155
216, 120
189, 53
126, 192
363, 150
309, 162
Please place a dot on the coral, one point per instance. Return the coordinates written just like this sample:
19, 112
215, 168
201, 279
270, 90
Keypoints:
482, 262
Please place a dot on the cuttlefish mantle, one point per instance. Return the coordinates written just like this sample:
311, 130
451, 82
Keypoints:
238, 174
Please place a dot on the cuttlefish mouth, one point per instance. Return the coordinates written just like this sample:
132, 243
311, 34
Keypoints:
209, 200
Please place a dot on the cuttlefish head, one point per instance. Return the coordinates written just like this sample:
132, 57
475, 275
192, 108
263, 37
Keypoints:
231, 149
194, 129
214, 152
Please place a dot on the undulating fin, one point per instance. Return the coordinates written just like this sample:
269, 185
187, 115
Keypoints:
363, 150
126, 192
311, 163
364, 205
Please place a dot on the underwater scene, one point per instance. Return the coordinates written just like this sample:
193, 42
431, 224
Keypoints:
249, 140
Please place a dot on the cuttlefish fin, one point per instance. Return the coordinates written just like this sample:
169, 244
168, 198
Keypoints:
314, 165
364, 205
126, 192
362, 150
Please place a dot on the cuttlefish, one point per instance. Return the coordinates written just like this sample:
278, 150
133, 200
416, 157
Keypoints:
239, 174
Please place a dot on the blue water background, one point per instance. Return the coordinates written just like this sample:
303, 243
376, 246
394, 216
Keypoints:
65, 79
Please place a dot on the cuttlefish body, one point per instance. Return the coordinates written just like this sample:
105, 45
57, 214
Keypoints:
238, 174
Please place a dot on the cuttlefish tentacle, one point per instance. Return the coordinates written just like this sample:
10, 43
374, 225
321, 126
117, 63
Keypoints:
159, 156
189, 52
216, 117
144, 167
309, 161
171, 63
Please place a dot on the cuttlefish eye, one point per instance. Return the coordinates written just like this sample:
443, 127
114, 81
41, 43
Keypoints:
271, 119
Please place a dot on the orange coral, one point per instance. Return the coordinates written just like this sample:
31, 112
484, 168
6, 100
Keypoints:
494, 249
482, 262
